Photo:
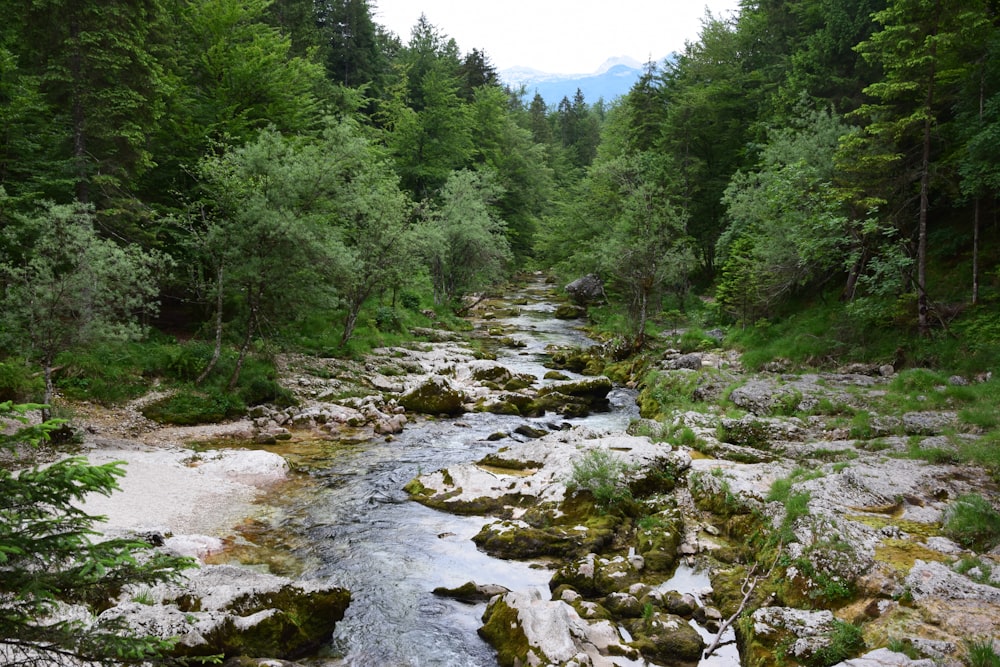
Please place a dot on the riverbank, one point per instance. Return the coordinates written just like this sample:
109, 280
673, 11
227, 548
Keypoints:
818, 503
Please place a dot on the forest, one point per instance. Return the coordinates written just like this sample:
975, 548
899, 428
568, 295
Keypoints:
189, 186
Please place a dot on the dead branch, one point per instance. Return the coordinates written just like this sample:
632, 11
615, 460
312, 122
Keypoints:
747, 588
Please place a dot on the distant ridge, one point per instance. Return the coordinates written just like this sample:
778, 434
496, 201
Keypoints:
615, 77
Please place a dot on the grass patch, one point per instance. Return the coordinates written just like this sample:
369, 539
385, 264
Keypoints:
664, 393
972, 522
979, 652
846, 642
604, 476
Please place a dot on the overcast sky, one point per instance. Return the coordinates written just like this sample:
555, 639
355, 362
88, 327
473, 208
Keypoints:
557, 36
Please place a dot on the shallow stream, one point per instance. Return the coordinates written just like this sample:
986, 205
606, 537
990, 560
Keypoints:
352, 521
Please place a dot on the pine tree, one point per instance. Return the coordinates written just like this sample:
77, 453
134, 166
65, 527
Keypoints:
919, 48
50, 560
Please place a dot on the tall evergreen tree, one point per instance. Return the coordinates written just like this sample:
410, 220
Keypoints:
100, 73
920, 48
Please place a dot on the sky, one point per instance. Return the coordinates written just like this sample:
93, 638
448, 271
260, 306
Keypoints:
557, 36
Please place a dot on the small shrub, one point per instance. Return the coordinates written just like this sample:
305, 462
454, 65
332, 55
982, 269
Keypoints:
409, 300
686, 438
981, 653
604, 475
845, 642
861, 426
976, 569
19, 382
972, 522
386, 319
695, 340
187, 407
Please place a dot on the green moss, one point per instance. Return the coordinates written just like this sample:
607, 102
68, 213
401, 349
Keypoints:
902, 554
498, 461
502, 630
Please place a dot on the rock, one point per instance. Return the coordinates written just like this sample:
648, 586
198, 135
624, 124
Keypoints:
434, 396
586, 290
937, 580
883, 657
567, 311
666, 638
529, 431
928, 423
763, 397
623, 605
886, 371
555, 375
235, 611
762, 433
803, 633
690, 361
526, 630
680, 604
471, 592
575, 398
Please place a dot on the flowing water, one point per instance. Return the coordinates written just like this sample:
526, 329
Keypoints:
353, 522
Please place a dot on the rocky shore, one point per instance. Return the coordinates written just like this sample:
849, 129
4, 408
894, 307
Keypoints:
817, 512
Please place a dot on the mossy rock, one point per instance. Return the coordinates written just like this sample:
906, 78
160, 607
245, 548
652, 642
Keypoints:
658, 545
568, 311
594, 389
529, 431
435, 396
499, 407
511, 540
667, 639
519, 382
502, 630
299, 625
495, 374
471, 592
498, 461
556, 375
574, 359
561, 404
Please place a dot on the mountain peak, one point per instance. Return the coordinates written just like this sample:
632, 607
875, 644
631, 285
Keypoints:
628, 61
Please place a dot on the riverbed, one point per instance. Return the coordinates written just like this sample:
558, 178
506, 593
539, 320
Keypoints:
346, 517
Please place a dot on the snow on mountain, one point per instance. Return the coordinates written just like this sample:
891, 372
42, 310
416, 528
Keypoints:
613, 78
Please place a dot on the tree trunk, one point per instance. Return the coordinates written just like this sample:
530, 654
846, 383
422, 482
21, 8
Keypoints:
975, 254
245, 347
49, 389
217, 352
925, 186
79, 119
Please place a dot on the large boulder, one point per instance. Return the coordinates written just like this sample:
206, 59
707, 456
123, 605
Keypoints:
526, 630
229, 610
667, 639
575, 398
586, 290
435, 396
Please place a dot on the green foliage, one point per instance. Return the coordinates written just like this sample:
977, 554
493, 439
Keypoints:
66, 286
977, 569
973, 522
386, 318
846, 642
50, 559
462, 242
796, 506
785, 227
981, 652
666, 392
604, 476
189, 406
18, 382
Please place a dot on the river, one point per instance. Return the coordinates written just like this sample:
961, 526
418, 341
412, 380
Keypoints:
351, 521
